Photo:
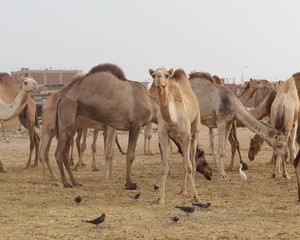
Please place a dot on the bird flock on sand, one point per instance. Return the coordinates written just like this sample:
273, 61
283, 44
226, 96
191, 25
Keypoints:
175, 218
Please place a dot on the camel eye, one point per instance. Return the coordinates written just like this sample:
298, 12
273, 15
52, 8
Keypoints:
25, 83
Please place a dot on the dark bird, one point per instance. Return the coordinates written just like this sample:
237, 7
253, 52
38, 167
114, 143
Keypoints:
185, 209
202, 205
97, 221
156, 186
135, 196
77, 200
175, 218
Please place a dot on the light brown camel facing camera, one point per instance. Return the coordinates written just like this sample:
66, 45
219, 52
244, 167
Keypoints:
13, 100
222, 108
179, 117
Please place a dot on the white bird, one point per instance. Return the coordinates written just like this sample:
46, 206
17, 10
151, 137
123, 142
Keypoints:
242, 174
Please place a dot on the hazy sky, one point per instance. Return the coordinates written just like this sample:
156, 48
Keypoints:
216, 36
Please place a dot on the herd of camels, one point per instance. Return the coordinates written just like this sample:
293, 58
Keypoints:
105, 100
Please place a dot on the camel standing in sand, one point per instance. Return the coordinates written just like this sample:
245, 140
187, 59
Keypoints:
222, 108
249, 92
284, 117
49, 130
104, 95
179, 117
12, 104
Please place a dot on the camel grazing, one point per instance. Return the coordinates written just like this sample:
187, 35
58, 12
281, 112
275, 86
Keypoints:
104, 95
250, 90
284, 117
222, 108
13, 99
179, 117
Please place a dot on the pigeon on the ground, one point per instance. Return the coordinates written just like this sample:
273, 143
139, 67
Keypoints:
202, 205
175, 218
135, 196
97, 221
156, 186
186, 209
77, 200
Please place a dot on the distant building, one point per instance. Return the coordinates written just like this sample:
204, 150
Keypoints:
48, 78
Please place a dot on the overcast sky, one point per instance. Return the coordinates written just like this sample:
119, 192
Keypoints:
217, 36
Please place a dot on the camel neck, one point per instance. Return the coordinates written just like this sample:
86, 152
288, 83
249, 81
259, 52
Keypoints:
10, 110
163, 95
247, 95
263, 130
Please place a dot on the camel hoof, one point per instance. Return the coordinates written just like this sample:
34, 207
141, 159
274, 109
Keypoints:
274, 175
3, 169
77, 184
68, 185
131, 186
286, 176
195, 199
95, 169
226, 178
245, 166
159, 201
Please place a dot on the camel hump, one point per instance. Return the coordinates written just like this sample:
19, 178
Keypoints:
296, 75
179, 74
108, 67
203, 75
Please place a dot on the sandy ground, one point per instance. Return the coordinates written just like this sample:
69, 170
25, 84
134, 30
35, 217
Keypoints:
261, 208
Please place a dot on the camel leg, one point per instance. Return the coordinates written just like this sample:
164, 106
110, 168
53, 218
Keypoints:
72, 153
292, 142
44, 155
163, 143
132, 141
296, 164
109, 153
2, 167
276, 167
37, 141
147, 139
67, 163
31, 147
81, 148
224, 130
94, 149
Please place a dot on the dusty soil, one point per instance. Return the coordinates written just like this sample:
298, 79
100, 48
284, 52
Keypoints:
262, 208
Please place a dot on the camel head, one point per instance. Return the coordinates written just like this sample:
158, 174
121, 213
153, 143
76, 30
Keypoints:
279, 144
202, 165
258, 83
28, 84
161, 76
255, 146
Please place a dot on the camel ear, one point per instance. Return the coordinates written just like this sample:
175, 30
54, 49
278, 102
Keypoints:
251, 79
151, 71
171, 72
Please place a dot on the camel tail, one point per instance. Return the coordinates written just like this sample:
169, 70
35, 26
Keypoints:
119, 146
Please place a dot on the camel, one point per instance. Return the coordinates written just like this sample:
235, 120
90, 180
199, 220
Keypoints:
250, 90
222, 108
17, 98
103, 95
49, 130
179, 117
284, 117
296, 164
